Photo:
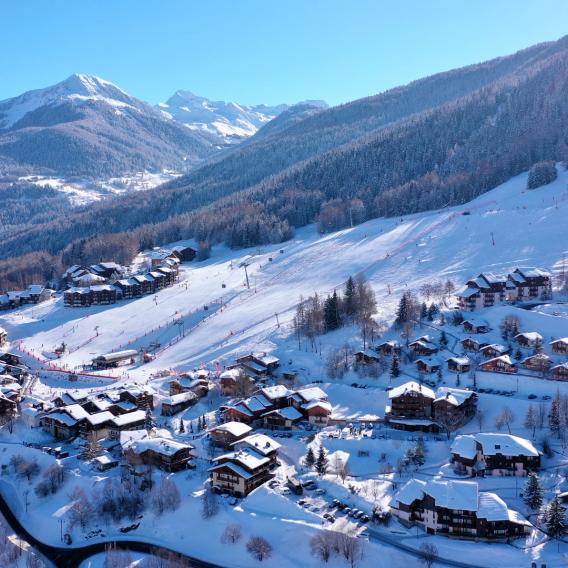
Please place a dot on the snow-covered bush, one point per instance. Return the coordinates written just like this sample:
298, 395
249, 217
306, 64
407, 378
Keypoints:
540, 174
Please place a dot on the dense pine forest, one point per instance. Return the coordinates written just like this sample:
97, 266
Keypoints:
435, 143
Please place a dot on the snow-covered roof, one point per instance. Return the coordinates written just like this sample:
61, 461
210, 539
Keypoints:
129, 418
505, 444
234, 428
495, 347
230, 374
312, 393
260, 443
236, 468
118, 355
2, 331
257, 403
560, 366
179, 398
241, 407
475, 322
247, 457
493, 444
492, 278
266, 359
288, 412
492, 507
105, 460
533, 272
62, 417
505, 358
530, 335
464, 446
453, 494
99, 418
560, 340
275, 392
411, 386
160, 445
453, 396
317, 404
76, 411
410, 492
543, 357
460, 360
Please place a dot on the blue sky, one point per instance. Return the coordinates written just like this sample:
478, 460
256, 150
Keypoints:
255, 51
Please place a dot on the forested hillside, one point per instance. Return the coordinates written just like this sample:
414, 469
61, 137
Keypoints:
435, 142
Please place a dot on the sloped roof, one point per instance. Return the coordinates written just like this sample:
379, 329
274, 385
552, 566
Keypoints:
234, 428
411, 386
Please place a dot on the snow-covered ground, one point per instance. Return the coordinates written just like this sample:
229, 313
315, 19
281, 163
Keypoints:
81, 192
211, 316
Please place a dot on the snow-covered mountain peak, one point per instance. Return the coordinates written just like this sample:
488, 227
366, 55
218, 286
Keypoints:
77, 87
230, 122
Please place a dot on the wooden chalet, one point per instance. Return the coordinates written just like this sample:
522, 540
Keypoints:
191, 382
224, 435
176, 403
261, 364
388, 347
454, 407
471, 325
238, 473
560, 372
184, 253
231, 378
261, 444
164, 453
282, 418
493, 350
459, 364
367, 357
428, 365
494, 454
501, 364
457, 509
127, 422
423, 346
529, 339
537, 362
560, 346
410, 408
471, 344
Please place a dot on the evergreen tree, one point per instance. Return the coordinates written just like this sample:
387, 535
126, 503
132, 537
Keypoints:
310, 458
518, 355
149, 421
321, 462
439, 373
423, 311
191, 427
395, 367
181, 426
349, 307
555, 523
404, 310
331, 312
443, 339
532, 494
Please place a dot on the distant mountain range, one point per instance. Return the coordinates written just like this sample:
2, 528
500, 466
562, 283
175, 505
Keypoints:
437, 141
229, 123
87, 126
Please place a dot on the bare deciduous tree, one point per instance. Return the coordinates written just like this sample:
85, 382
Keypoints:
429, 554
232, 534
259, 548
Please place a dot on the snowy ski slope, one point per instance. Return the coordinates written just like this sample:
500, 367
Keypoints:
527, 227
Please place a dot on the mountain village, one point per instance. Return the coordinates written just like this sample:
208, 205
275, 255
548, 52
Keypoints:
441, 424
